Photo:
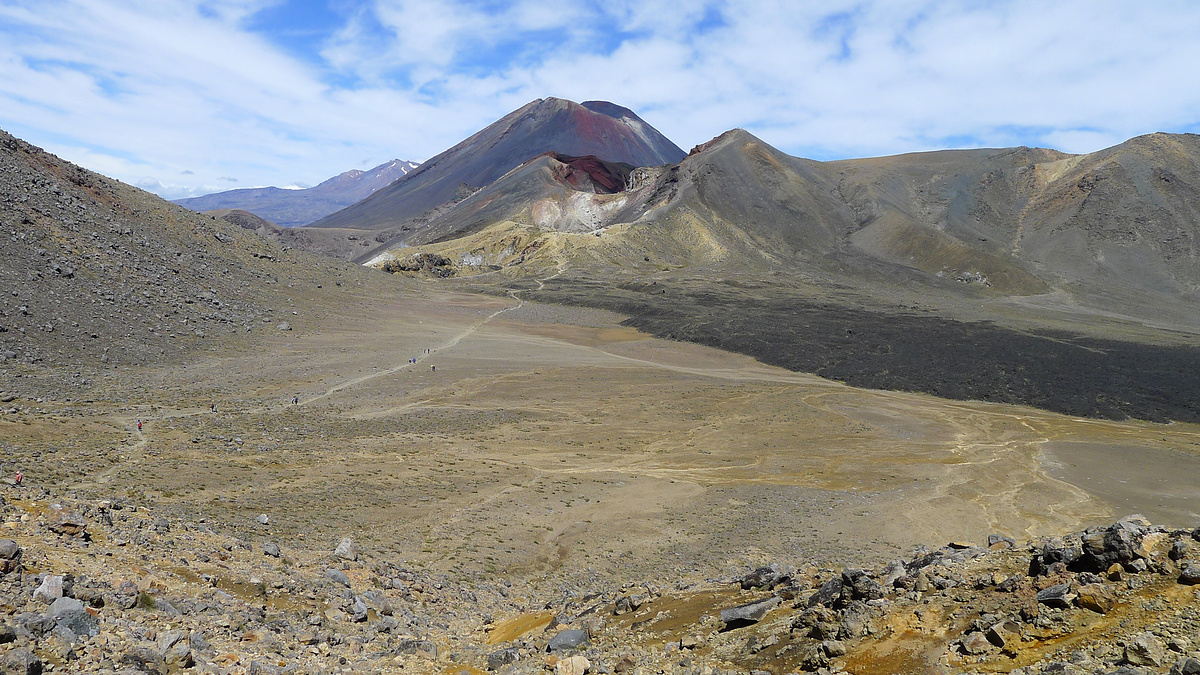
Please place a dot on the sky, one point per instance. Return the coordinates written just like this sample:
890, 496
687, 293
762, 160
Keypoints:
187, 97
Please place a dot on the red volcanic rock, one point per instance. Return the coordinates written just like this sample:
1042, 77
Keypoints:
591, 172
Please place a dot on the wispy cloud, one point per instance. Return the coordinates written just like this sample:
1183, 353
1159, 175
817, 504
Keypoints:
182, 95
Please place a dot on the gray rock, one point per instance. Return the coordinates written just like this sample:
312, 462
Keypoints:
10, 556
337, 576
1186, 666
829, 594
358, 611
861, 585
833, 648
894, 571
1190, 574
199, 643
1145, 649
424, 648
271, 549
263, 519
70, 613
178, 656
345, 550
1058, 595
34, 623
9, 549
144, 659
1178, 550
1000, 541
750, 612
502, 657
378, 602
20, 661
7, 634
284, 326
767, 577
567, 639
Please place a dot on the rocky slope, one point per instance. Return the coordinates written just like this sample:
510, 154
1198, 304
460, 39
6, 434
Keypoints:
291, 208
103, 584
96, 274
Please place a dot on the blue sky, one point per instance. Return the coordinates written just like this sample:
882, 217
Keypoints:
186, 97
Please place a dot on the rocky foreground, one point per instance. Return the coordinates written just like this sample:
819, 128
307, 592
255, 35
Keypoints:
102, 586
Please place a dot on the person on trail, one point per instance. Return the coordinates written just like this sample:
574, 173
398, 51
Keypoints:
214, 407
295, 400
139, 425
18, 478
432, 369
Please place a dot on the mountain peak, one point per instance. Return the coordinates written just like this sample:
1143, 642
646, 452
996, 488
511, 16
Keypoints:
601, 129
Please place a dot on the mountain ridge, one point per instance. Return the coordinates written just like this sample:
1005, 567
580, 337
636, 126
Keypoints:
294, 207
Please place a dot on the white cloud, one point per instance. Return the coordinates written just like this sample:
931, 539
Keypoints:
145, 91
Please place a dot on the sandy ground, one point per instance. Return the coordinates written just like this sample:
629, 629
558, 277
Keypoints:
553, 444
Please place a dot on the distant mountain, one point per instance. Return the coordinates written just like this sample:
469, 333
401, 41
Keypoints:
596, 128
290, 208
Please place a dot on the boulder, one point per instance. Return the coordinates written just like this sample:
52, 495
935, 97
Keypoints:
1186, 666
424, 648
502, 657
1145, 649
10, 556
998, 541
176, 650
567, 639
144, 659
1003, 632
272, 549
1058, 595
767, 577
975, 643
1096, 597
574, 665
1179, 550
345, 550
50, 590
337, 576
70, 613
70, 524
751, 612
20, 661
829, 594
861, 585
1190, 574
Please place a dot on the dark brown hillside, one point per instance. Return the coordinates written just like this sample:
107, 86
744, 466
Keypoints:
96, 272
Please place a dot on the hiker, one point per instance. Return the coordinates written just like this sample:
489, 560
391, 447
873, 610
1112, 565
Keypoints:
432, 369
295, 400
18, 478
139, 425
214, 407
